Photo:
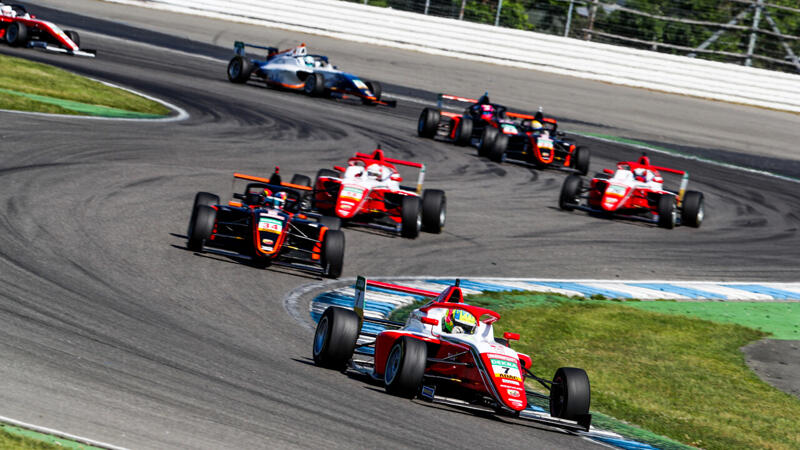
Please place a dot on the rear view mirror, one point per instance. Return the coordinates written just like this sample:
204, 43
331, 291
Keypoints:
511, 336
608, 171
429, 321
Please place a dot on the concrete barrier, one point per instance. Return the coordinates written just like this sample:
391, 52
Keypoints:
509, 47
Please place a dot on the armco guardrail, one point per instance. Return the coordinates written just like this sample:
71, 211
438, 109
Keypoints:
525, 49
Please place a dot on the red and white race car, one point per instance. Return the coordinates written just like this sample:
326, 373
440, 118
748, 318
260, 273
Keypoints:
635, 190
446, 352
18, 28
368, 193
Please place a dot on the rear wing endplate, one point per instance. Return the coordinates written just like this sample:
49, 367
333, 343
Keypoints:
400, 162
360, 298
441, 97
239, 48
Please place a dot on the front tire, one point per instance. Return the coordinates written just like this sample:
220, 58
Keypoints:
428, 123
411, 217
331, 223
201, 227
333, 253
667, 214
314, 85
693, 211
487, 140
434, 210
376, 89
73, 36
582, 156
239, 69
497, 153
463, 134
570, 394
335, 338
570, 191
405, 367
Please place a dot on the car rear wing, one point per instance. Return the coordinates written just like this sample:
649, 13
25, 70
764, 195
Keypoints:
360, 298
684, 179
442, 97
400, 162
239, 48
242, 176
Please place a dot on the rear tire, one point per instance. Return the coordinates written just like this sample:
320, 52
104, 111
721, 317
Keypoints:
582, 156
239, 69
335, 338
73, 36
434, 210
693, 211
333, 253
463, 134
201, 227
428, 123
497, 153
405, 367
570, 394
570, 191
666, 211
17, 34
314, 85
487, 140
411, 217
301, 180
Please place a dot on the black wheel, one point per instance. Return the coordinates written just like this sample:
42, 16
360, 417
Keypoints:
411, 217
335, 338
570, 191
315, 85
333, 253
201, 198
570, 394
464, 132
667, 213
692, 211
332, 223
434, 210
405, 367
200, 227
428, 123
73, 36
301, 180
376, 89
17, 34
239, 69
497, 152
487, 140
581, 160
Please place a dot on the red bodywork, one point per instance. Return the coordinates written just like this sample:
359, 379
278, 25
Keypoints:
615, 196
41, 26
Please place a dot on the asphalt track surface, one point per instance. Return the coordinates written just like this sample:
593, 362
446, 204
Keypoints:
112, 330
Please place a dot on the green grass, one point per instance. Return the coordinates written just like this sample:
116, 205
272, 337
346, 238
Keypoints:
11, 441
677, 376
29, 77
13, 437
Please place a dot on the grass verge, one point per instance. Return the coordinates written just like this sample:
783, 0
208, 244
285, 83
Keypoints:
676, 376
27, 77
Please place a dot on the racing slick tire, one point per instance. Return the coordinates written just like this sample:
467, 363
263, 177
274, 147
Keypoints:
200, 227
428, 123
411, 217
330, 222
582, 157
376, 89
201, 198
73, 36
301, 180
692, 211
434, 210
497, 152
17, 34
570, 394
487, 140
405, 367
463, 131
570, 190
335, 338
667, 214
333, 253
314, 85
239, 69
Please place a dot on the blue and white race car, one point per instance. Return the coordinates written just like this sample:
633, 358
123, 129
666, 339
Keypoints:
296, 69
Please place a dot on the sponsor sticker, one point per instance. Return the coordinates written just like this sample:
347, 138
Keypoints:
505, 370
509, 129
353, 193
360, 84
615, 189
269, 224
544, 143
513, 392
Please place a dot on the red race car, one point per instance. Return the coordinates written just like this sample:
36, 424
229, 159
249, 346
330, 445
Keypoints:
21, 29
635, 190
368, 193
446, 352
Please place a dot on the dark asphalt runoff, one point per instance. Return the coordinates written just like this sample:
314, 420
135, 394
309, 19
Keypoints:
112, 330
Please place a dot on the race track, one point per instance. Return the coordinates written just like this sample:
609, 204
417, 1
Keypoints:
112, 330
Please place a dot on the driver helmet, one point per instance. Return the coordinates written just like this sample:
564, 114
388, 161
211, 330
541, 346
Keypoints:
640, 174
459, 321
537, 126
374, 171
308, 60
7, 10
487, 111
279, 200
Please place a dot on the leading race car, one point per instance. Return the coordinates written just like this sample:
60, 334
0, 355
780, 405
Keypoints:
21, 29
446, 352
635, 190
269, 223
298, 70
368, 193
500, 134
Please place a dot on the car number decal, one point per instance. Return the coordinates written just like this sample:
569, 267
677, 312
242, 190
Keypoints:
544, 143
267, 224
505, 369
352, 193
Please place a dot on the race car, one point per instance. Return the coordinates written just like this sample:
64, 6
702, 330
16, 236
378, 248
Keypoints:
296, 69
636, 191
446, 352
368, 193
18, 28
500, 134
269, 223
